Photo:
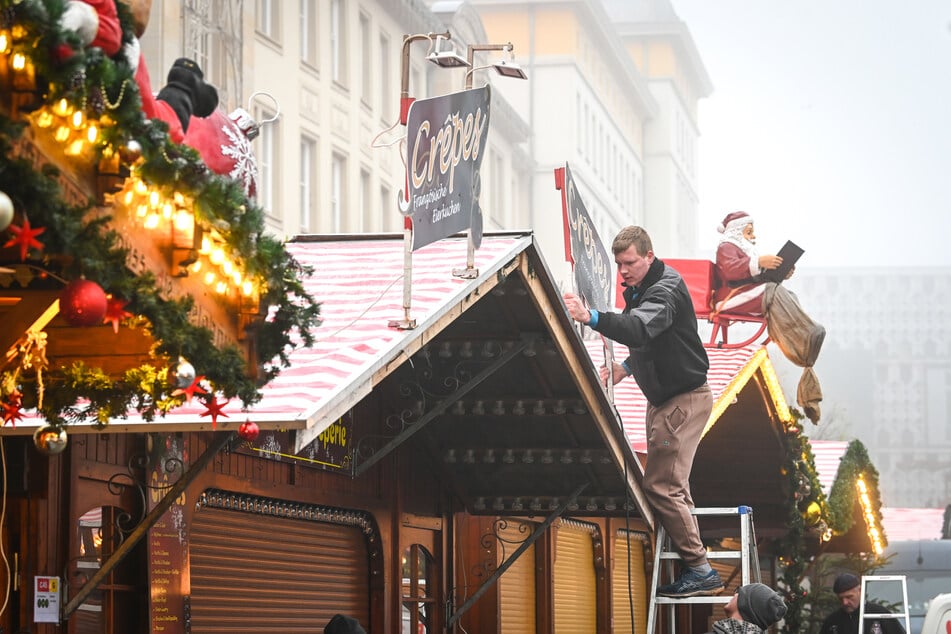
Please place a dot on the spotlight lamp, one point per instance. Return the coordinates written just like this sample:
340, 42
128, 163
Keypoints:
446, 59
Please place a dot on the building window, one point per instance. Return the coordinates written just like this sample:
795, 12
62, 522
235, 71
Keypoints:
268, 169
308, 32
269, 19
362, 219
338, 41
418, 599
388, 209
386, 86
366, 64
338, 189
308, 161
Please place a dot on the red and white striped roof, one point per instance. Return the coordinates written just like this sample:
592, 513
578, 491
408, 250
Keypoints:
359, 285
725, 366
912, 524
828, 454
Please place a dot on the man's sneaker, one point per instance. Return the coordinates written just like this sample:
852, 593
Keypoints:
693, 584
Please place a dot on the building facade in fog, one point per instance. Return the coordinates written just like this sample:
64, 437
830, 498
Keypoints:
885, 370
612, 91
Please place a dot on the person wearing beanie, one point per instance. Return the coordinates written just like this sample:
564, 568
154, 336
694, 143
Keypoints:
745, 291
342, 624
752, 610
847, 588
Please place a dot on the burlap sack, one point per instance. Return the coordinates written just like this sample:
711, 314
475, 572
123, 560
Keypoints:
800, 339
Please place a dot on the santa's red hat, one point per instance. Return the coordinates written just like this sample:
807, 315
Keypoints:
734, 219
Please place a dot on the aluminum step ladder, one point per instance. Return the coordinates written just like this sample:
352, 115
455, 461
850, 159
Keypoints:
865, 617
747, 557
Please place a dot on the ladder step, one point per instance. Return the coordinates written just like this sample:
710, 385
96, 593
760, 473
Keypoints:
713, 554
672, 600
722, 510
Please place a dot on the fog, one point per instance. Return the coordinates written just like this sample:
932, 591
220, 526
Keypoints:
829, 123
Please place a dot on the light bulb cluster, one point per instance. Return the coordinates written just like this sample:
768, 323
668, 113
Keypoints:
69, 126
172, 215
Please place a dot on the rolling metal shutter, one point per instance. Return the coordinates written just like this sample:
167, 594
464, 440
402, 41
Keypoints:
621, 598
254, 571
517, 584
576, 607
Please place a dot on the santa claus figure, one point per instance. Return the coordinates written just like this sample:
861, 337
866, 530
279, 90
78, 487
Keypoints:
744, 291
740, 266
186, 104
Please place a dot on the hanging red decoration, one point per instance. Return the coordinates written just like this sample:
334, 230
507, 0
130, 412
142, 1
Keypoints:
214, 410
83, 303
12, 411
115, 312
193, 388
25, 236
249, 430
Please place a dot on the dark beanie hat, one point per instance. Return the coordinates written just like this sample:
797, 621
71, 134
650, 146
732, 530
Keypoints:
341, 624
845, 581
760, 605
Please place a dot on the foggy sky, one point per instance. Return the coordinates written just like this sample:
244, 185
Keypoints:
830, 122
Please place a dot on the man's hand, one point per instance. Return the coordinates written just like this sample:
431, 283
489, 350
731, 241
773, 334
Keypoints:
576, 308
769, 261
618, 373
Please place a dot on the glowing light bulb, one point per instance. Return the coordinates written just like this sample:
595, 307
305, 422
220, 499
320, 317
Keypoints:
61, 108
4, 42
92, 134
167, 210
76, 119
75, 148
217, 256
152, 221
221, 287
205, 246
141, 188
19, 61
209, 277
154, 199
61, 134
183, 221
247, 288
44, 119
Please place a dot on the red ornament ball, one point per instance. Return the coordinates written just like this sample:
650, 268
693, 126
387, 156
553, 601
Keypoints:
248, 430
83, 303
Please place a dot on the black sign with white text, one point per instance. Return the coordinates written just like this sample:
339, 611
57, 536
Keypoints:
593, 269
445, 141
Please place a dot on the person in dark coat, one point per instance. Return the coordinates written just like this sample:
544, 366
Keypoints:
845, 620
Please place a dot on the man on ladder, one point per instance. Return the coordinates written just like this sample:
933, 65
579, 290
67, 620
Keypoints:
669, 363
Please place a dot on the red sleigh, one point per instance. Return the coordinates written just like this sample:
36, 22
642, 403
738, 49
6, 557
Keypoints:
703, 280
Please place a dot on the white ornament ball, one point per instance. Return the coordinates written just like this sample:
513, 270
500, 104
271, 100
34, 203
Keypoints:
6, 211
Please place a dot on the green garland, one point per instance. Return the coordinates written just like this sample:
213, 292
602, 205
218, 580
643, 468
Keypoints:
810, 514
76, 245
843, 497
803, 488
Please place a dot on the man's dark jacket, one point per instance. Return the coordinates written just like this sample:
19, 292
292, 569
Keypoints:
659, 326
842, 622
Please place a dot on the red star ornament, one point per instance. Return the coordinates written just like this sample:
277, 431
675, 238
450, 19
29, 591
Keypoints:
25, 236
115, 312
214, 410
191, 390
11, 412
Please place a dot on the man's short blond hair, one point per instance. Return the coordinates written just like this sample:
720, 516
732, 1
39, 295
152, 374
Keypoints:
632, 235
